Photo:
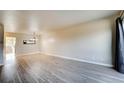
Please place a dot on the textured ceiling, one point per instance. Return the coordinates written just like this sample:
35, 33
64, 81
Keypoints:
37, 21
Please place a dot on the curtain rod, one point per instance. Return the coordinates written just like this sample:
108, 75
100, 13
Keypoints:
122, 14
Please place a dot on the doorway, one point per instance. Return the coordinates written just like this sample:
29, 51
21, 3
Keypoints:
10, 47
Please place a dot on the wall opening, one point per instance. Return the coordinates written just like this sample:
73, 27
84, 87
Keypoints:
10, 47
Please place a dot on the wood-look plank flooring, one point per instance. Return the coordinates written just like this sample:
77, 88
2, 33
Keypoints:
41, 68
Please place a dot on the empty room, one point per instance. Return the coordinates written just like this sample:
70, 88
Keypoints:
61, 46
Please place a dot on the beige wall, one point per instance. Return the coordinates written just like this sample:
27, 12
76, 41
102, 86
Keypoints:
22, 48
90, 42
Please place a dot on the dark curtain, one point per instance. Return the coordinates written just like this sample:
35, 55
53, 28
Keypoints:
1, 43
119, 63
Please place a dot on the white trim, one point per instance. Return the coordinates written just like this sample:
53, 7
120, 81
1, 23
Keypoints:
27, 54
76, 59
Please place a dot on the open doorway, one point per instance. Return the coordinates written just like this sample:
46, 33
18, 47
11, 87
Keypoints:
10, 47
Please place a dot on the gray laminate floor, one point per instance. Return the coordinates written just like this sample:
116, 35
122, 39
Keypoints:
48, 69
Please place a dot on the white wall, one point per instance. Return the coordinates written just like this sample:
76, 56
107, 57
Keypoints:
90, 42
22, 48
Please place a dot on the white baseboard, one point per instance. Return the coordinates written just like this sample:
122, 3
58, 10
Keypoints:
76, 59
27, 54
81, 60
